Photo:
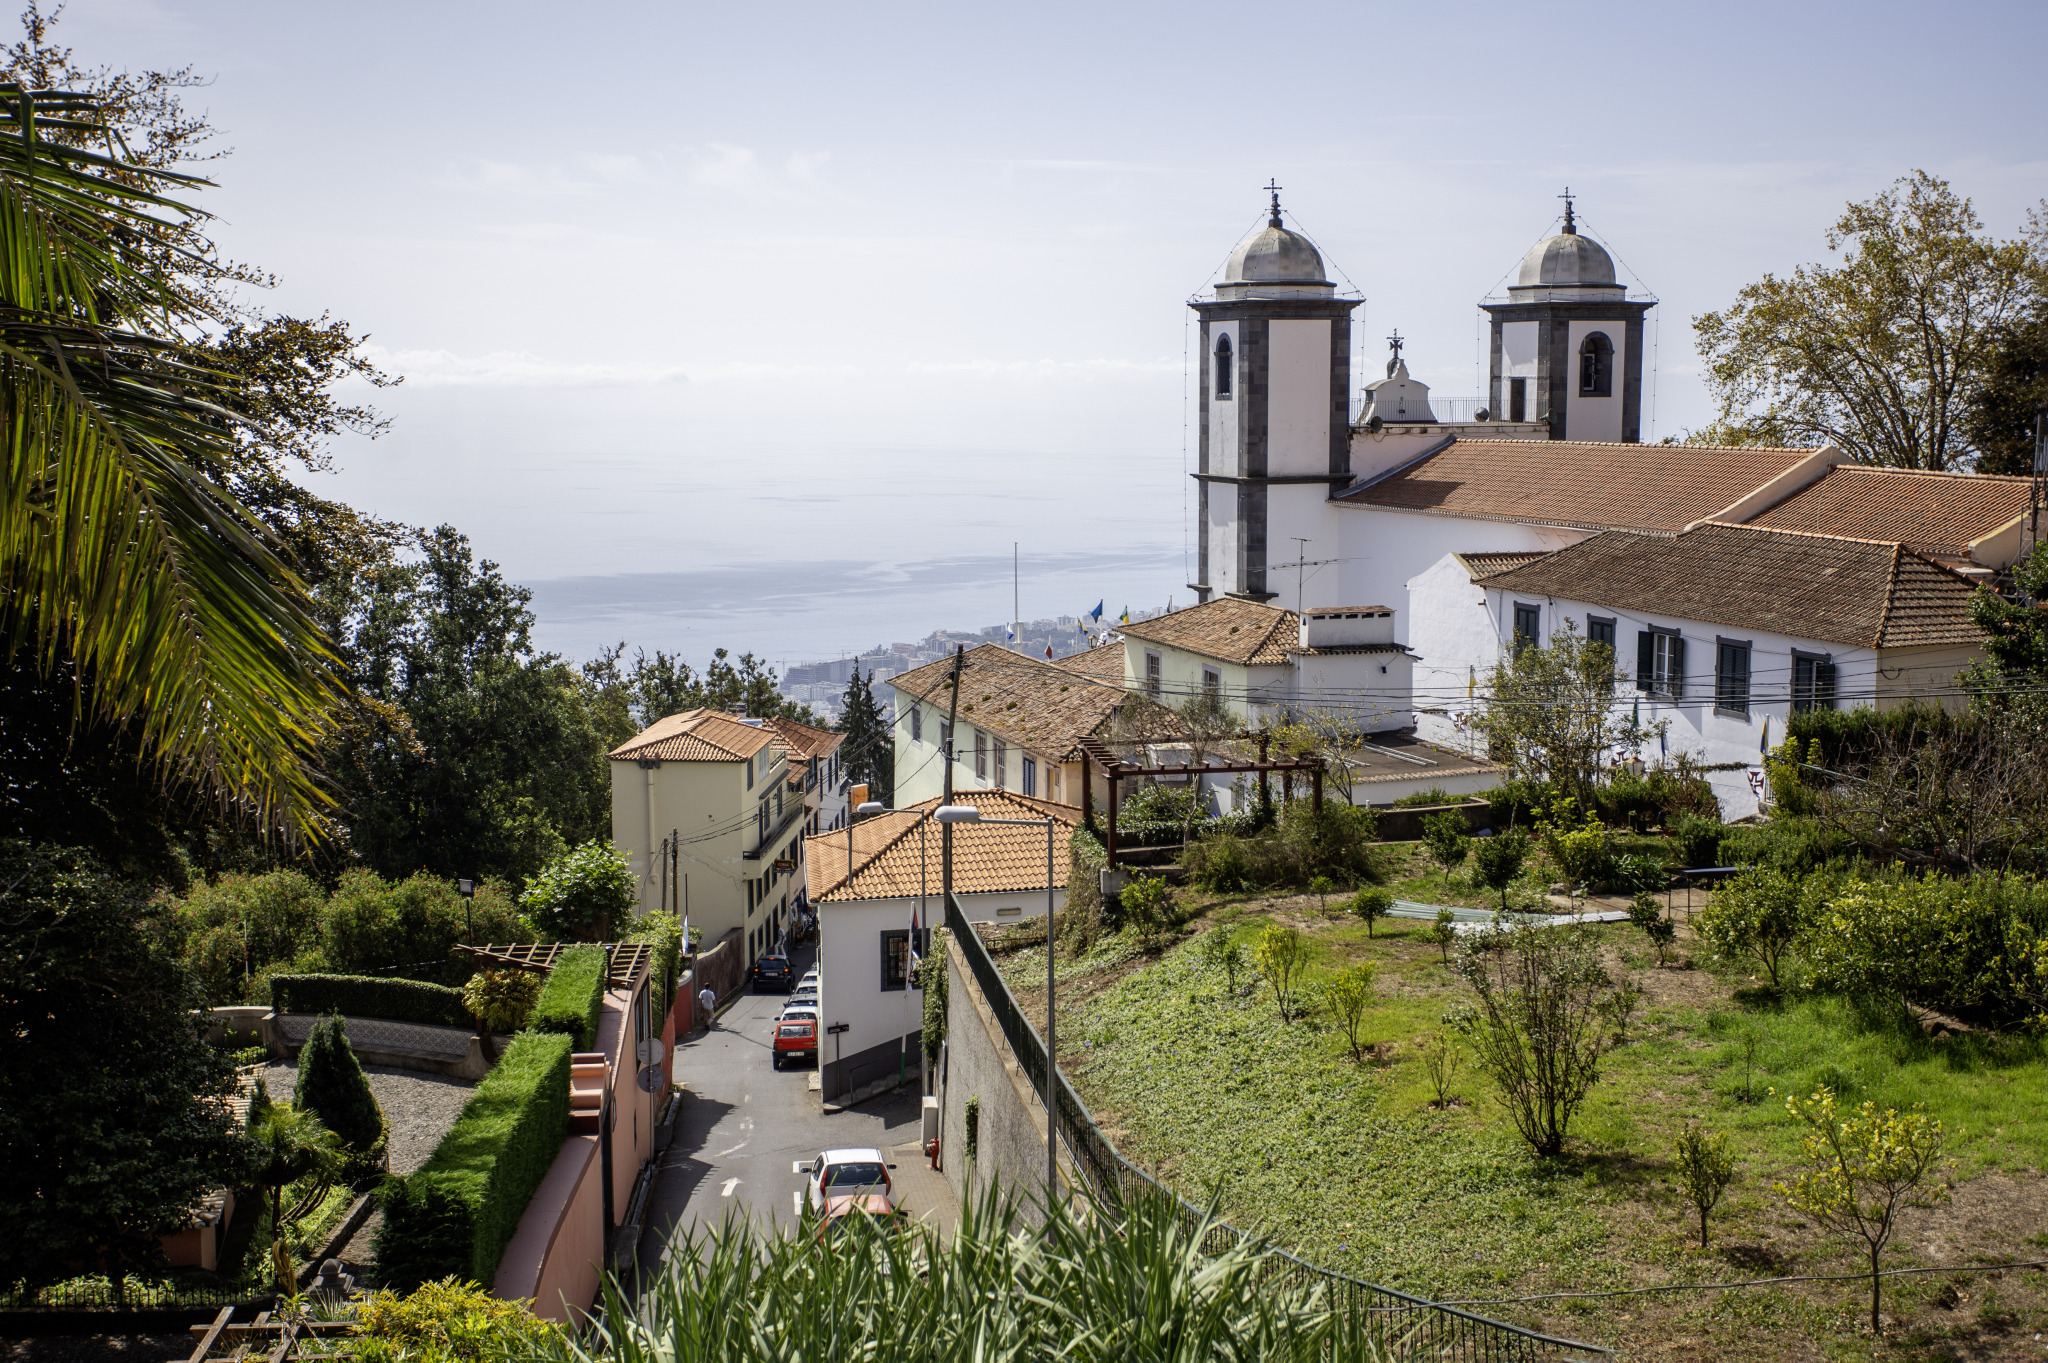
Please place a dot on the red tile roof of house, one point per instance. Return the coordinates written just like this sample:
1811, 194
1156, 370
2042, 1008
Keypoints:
1104, 664
1229, 629
1039, 705
1930, 513
697, 736
892, 860
802, 740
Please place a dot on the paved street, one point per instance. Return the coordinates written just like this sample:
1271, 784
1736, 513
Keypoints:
744, 1123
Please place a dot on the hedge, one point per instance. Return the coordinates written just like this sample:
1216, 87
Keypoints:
572, 998
456, 1215
368, 996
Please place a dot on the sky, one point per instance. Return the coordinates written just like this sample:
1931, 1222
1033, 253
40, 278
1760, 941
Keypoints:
777, 327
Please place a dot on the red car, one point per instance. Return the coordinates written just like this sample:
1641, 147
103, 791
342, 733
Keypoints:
795, 1037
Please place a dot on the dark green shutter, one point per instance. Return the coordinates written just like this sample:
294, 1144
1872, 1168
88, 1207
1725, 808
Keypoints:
1645, 658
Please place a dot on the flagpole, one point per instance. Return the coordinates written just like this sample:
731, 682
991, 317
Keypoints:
1016, 600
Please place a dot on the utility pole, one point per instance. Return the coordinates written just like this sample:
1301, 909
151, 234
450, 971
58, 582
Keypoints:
1300, 562
946, 833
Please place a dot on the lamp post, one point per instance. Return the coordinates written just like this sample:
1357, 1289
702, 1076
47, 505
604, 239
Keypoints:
952, 814
467, 889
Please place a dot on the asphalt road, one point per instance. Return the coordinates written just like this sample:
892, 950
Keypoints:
744, 1123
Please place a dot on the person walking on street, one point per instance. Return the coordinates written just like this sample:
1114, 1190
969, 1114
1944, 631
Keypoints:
708, 1001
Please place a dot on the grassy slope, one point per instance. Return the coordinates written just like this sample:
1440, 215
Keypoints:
1350, 1165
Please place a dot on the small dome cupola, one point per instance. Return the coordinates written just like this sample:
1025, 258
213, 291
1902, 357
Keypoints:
1274, 262
1397, 397
1566, 267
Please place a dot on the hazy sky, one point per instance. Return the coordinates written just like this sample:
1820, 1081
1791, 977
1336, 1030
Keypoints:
774, 326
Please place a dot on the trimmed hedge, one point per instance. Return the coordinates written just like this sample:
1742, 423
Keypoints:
572, 999
369, 996
456, 1215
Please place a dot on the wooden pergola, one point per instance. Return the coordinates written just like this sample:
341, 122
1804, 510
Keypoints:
625, 962
1094, 752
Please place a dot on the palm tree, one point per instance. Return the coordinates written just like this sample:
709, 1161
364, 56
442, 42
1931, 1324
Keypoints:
119, 556
290, 1145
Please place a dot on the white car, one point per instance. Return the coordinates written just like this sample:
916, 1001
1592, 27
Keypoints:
809, 981
843, 1173
803, 998
799, 1010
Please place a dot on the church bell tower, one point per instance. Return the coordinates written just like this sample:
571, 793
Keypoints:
1275, 435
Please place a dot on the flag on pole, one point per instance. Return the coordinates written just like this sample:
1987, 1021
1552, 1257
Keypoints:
1096, 614
1009, 633
1048, 652
1125, 618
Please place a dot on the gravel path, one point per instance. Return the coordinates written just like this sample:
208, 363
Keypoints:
420, 1109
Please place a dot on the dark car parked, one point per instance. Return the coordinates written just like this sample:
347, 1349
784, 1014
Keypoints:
774, 972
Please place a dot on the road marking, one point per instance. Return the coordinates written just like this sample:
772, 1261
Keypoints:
725, 1189
796, 1205
730, 1150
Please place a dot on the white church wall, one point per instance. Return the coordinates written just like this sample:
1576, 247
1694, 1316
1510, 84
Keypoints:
1382, 551
1304, 510
1518, 350
1223, 570
1377, 452
1298, 396
1594, 418
1452, 632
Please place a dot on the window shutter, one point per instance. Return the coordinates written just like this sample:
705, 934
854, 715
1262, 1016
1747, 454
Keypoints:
1677, 667
1646, 644
1823, 686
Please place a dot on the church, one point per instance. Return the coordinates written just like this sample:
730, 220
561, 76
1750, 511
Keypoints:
1457, 525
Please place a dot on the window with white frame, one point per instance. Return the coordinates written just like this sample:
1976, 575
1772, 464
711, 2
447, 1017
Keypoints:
917, 724
1212, 684
1002, 764
1152, 674
980, 755
1813, 682
1660, 662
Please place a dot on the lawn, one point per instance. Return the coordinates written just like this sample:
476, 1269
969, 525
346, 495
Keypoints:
1353, 1167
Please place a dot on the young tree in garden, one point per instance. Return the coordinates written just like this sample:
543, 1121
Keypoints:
1757, 915
1282, 958
332, 1086
1862, 1170
583, 895
1497, 861
1550, 713
1544, 1009
1347, 996
1371, 904
1706, 1166
113, 1109
1448, 841
290, 1146
1884, 355
870, 749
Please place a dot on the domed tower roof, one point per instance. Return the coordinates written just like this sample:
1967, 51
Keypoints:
1275, 262
1565, 267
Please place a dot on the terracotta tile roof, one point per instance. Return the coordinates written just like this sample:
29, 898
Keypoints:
802, 741
892, 858
1930, 513
697, 736
1862, 593
1228, 629
1486, 565
1587, 484
1104, 664
1036, 704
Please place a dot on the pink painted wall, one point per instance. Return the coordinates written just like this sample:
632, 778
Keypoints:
555, 1255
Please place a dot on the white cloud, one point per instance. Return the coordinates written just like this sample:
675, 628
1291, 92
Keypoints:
1086, 370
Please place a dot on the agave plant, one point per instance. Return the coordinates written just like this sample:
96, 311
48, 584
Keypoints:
1007, 1284
118, 555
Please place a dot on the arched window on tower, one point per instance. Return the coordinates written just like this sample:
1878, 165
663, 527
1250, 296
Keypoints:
1596, 366
1226, 368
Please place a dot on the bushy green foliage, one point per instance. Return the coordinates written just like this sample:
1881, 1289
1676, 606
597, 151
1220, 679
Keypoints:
573, 998
1542, 1022
1698, 841
1635, 873
1338, 844
501, 1000
1705, 1162
1497, 861
434, 1005
332, 1086
1435, 795
933, 982
1516, 802
1448, 840
449, 1321
458, 1212
665, 931
1792, 845
582, 894
1757, 917
1282, 958
113, 1113
227, 932
1148, 907
1346, 997
1580, 847
1978, 947
1371, 904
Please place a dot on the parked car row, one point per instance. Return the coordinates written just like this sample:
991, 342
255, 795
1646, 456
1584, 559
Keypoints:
796, 1029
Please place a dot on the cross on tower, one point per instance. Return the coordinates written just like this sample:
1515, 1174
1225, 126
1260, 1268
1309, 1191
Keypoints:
1571, 228
1394, 342
1274, 189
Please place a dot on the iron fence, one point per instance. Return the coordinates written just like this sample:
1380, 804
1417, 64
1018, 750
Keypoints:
1413, 1326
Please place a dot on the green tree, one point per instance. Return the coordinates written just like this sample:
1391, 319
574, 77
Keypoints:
1497, 861
113, 1109
1282, 957
583, 894
501, 1000
1346, 997
1706, 1166
332, 1086
1757, 915
870, 749
1371, 904
1541, 1023
2000, 420
1550, 714
1447, 840
1885, 355
1862, 1170
291, 1146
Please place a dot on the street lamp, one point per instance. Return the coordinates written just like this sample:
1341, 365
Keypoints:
467, 889
950, 814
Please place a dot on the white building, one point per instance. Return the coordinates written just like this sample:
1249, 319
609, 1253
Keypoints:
1723, 628
864, 920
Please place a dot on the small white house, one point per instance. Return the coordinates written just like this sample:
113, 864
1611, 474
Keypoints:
1724, 629
866, 920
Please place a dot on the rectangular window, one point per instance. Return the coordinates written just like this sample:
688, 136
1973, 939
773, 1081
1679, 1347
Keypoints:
896, 956
1052, 784
1002, 764
1518, 399
1600, 630
1660, 663
1528, 626
1030, 786
917, 724
1731, 676
1152, 675
1813, 683
761, 822
1212, 684
980, 755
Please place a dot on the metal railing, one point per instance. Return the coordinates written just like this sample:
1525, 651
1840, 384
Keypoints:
1413, 1327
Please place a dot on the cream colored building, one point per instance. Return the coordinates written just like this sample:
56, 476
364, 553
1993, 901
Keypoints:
709, 805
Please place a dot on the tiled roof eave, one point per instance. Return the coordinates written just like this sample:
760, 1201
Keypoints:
1589, 527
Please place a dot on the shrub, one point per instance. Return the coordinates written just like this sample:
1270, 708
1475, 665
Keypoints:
1147, 906
1435, 795
1221, 863
1706, 1166
1221, 950
1346, 997
228, 931
1158, 816
1977, 947
435, 1005
1516, 801
1578, 848
332, 1086
1698, 839
1635, 873
1372, 904
1282, 957
1758, 916
501, 1000
1540, 1026
664, 931
572, 1000
1444, 933
1497, 861
1441, 1057
581, 894
371, 924
1794, 846
1447, 839
449, 1321
458, 1212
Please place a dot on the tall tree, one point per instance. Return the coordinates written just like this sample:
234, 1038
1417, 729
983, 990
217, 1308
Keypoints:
870, 749
113, 1119
1550, 713
1883, 354
2003, 411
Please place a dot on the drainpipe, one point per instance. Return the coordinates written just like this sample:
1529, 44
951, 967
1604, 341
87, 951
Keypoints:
650, 765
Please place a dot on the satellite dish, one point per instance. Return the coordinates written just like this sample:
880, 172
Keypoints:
1482, 415
650, 1052
1375, 423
